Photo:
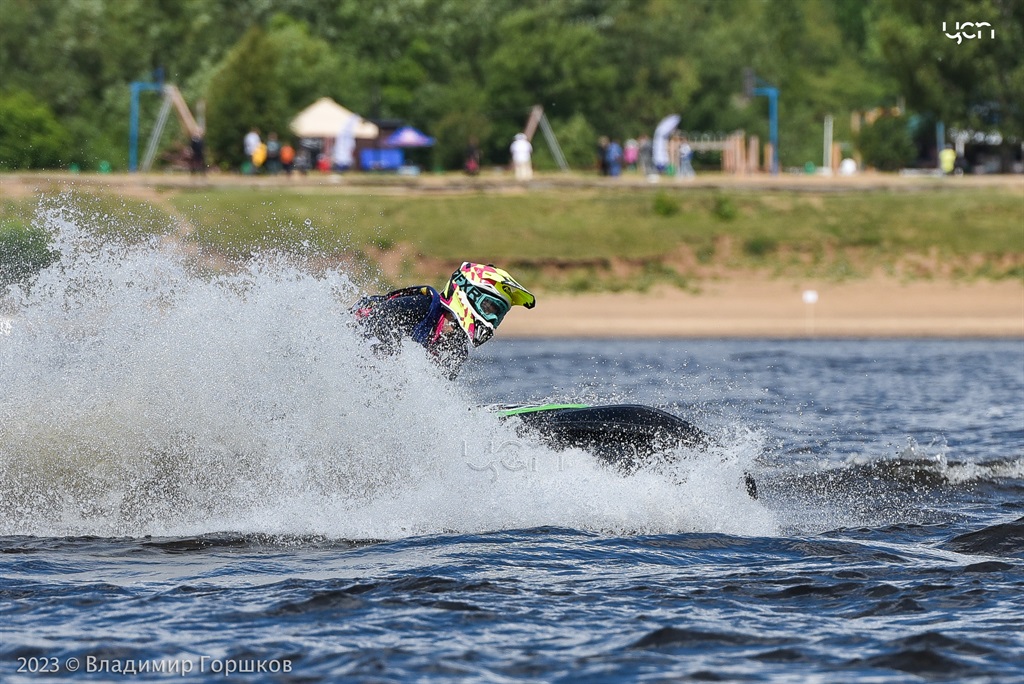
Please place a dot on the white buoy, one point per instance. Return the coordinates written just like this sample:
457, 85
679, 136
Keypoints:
810, 299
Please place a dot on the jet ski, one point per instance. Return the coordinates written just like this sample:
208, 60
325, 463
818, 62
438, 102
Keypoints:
625, 436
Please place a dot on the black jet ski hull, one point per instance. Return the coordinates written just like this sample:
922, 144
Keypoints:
622, 435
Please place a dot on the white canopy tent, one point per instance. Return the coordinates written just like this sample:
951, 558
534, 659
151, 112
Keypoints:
325, 119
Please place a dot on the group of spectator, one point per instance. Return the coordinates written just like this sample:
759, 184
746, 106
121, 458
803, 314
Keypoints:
612, 157
273, 157
638, 155
270, 157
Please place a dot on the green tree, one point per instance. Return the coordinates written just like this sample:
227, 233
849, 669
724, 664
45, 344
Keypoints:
308, 67
449, 66
30, 135
973, 83
547, 58
886, 144
464, 122
245, 91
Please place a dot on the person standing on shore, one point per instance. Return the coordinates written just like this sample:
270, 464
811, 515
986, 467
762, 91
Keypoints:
273, 154
287, 158
197, 163
685, 159
645, 156
472, 165
251, 144
630, 154
522, 157
947, 160
602, 155
613, 158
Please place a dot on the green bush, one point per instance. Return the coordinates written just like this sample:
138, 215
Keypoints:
886, 144
664, 205
759, 246
454, 133
30, 135
24, 251
725, 209
577, 138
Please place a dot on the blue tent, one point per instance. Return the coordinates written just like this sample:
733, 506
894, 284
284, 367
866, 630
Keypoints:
407, 136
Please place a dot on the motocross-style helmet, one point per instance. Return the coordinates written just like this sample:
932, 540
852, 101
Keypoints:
479, 296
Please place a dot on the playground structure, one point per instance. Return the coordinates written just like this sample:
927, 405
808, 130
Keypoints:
741, 155
753, 87
539, 119
171, 98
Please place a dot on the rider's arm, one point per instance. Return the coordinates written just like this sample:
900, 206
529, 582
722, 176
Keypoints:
390, 320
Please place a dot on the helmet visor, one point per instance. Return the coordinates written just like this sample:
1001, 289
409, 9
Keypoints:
485, 305
492, 309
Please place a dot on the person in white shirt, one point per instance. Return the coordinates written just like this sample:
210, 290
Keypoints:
252, 142
522, 157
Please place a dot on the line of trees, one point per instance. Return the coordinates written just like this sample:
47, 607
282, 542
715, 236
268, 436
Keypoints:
462, 68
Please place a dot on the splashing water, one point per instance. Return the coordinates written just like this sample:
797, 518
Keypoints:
139, 397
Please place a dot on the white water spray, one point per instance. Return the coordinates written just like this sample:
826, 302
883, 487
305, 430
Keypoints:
137, 397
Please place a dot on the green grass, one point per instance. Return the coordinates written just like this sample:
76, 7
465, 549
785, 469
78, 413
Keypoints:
103, 213
580, 239
586, 224
24, 252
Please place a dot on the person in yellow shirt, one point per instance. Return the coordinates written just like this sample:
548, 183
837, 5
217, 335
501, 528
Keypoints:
947, 160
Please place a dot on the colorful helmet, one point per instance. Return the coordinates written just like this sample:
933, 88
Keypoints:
479, 296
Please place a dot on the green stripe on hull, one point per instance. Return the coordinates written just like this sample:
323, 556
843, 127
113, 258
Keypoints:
539, 407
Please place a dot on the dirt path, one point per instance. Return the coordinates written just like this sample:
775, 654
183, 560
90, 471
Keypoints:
496, 179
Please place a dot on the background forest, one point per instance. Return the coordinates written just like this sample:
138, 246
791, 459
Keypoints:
461, 68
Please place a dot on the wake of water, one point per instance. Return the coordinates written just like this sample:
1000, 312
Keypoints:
139, 397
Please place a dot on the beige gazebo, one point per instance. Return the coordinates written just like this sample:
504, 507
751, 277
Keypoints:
325, 118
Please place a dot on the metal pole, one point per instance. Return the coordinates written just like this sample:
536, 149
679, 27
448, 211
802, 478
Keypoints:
133, 125
133, 130
826, 157
772, 93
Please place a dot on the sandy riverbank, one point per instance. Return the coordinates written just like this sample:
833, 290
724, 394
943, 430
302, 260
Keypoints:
769, 308
730, 306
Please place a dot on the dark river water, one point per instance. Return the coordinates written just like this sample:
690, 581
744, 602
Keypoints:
202, 477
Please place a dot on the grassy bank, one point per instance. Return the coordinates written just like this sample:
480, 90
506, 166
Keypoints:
590, 237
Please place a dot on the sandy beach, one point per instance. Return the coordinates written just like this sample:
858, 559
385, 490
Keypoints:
732, 305
772, 308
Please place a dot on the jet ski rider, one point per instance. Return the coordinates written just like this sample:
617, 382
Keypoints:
468, 310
